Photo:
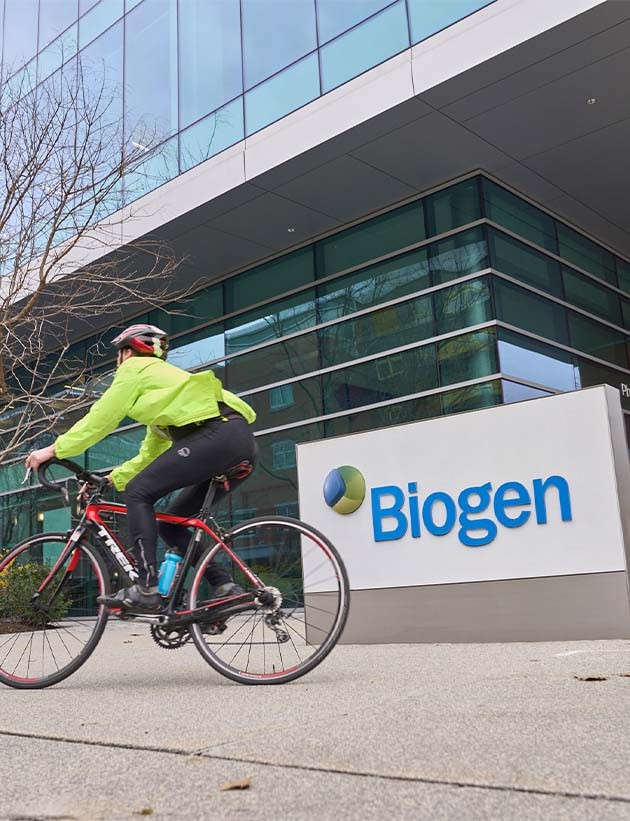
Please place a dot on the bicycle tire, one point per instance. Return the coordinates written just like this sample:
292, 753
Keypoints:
334, 620
11, 651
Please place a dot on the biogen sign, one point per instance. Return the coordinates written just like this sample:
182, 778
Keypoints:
511, 492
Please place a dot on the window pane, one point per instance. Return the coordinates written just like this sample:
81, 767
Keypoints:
528, 311
54, 17
599, 300
370, 286
288, 358
518, 260
20, 32
271, 321
85, 5
458, 255
452, 207
598, 340
591, 373
209, 56
202, 307
472, 397
586, 254
100, 18
381, 379
518, 216
159, 167
336, 16
275, 34
57, 53
413, 410
536, 362
115, 449
282, 94
268, 280
375, 238
102, 65
390, 327
515, 392
270, 487
427, 16
198, 348
365, 46
212, 135
288, 403
151, 72
467, 357
466, 304
623, 274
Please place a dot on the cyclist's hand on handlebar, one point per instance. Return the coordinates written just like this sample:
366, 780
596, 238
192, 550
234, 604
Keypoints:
38, 457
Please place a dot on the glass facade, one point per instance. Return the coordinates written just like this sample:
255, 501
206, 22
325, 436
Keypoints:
197, 76
461, 299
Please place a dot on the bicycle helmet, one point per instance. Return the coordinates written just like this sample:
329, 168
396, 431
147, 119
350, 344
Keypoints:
145, 340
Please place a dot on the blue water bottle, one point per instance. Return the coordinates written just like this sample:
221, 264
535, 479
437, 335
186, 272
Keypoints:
168, 568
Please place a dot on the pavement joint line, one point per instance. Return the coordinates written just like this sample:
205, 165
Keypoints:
330, 770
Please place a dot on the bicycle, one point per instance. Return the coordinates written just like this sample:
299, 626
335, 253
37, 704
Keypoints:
289, 617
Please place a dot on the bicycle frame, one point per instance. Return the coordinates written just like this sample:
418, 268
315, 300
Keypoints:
91, 520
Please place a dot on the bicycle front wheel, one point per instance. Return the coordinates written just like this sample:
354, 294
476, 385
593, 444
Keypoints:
44, 640
300, 608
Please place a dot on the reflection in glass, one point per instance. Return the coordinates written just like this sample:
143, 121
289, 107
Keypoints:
57, 53
534, 361
204, 347
273, 363
397, 413
276, 33
54, 17
472, 397
458, 256
365, 46
271, 321
151, 72
586, 254
282, 94
212, 135
427, 17
468, 303
526, 310
598, 340
209, 57
381, 330
518, 216
594, 298
380, 380
20, 32
370, 286
98, 20
287, 403
468, 356
159, 167
452, 207
268, 280
516, 259
336, 16
379, 236
515, 392
101, 67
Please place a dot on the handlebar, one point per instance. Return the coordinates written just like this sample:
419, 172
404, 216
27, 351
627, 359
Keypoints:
81, 474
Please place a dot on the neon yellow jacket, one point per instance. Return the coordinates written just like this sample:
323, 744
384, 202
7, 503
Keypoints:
156, 394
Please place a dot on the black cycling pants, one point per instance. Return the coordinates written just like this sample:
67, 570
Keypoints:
189, 463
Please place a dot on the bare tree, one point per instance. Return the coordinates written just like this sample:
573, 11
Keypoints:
64, 166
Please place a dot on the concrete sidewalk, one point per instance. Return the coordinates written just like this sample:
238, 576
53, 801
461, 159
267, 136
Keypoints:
404, 731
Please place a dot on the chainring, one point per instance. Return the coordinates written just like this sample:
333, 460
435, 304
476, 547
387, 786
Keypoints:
169, 638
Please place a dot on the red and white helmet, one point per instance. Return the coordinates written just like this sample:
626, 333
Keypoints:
146, 340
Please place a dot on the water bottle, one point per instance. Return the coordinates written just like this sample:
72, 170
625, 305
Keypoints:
168, 568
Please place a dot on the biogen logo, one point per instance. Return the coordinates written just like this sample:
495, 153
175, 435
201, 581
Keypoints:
477, 511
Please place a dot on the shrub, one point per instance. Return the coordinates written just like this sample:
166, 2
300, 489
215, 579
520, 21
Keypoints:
18, 585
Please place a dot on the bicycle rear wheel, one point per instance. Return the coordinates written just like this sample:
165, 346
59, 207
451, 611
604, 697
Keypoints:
301, 604
43, 643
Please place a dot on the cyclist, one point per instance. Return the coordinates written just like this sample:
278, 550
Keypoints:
195, 430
